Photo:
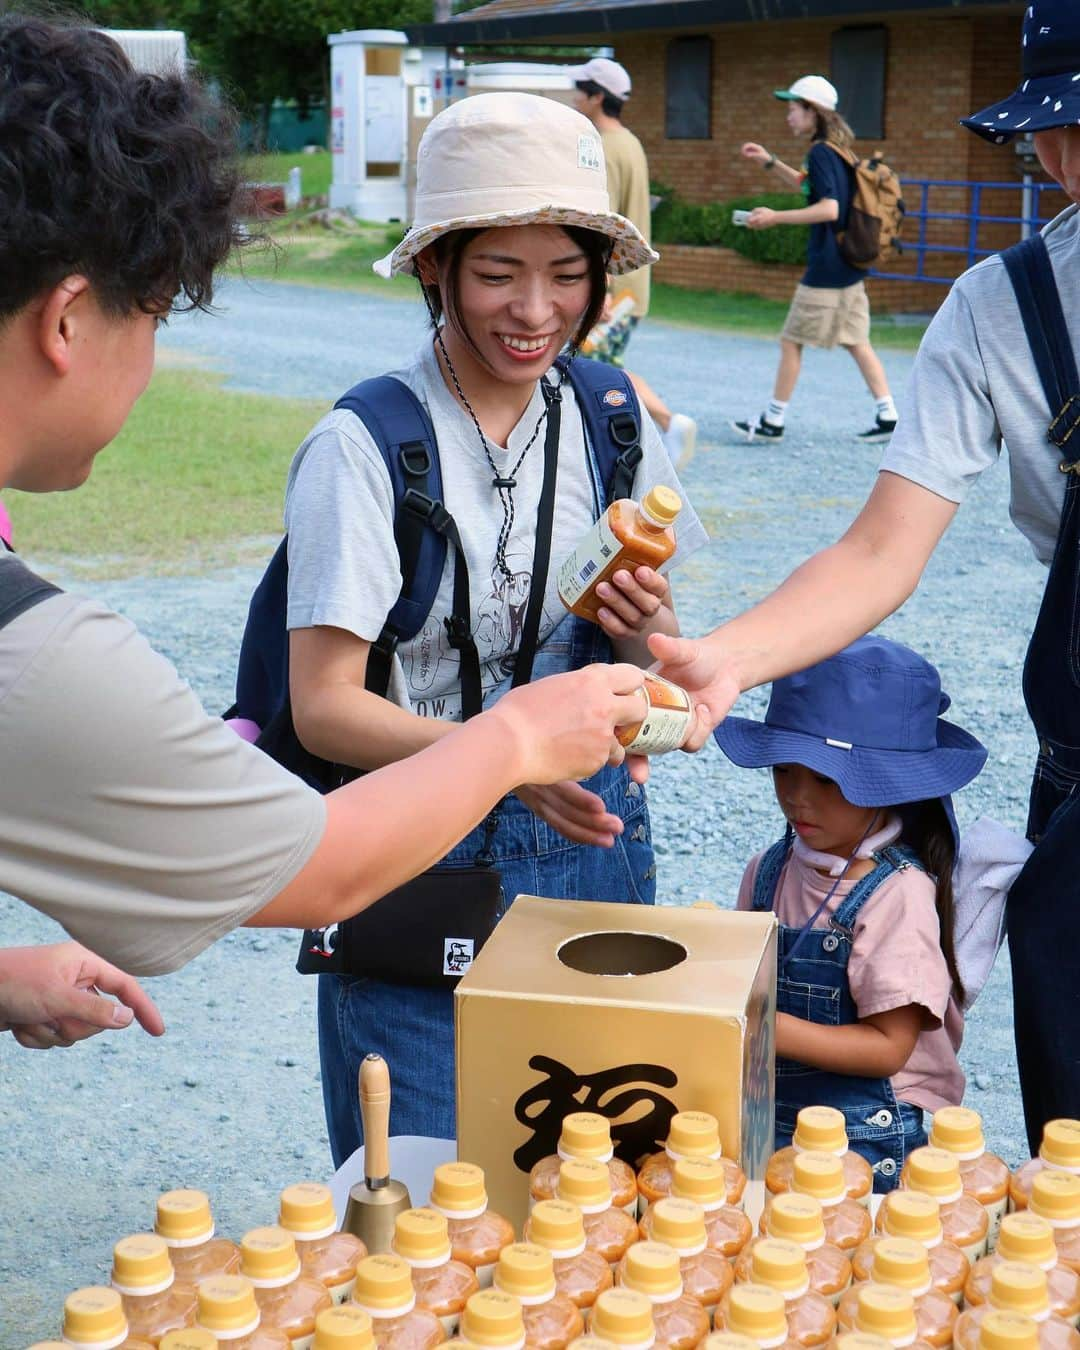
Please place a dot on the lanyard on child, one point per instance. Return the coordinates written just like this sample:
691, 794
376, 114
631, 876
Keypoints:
800, 939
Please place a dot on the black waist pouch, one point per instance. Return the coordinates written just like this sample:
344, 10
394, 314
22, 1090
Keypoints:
426, 932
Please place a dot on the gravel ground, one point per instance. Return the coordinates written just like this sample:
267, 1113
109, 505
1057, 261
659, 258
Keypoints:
230, 1099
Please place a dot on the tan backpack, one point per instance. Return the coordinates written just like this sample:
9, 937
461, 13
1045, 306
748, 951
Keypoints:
876, 212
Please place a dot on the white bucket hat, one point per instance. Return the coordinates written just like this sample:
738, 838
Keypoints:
513, 159
814, 89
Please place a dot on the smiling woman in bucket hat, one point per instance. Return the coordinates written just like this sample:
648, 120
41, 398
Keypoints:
975, 390
512, 241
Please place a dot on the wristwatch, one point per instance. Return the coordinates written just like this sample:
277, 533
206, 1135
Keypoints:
769, 162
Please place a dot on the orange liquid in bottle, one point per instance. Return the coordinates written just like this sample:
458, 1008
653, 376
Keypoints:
652, 1268
442, 1285
984, 1176
755, 1311
184, 1220
306, 1210
847, 1222
288, 1300
95, 1315
1016, 1287
692, 1134
1059, 1151
228, 1310
585, 1134
901, 1263
477, 1234
811, 1319
608, 1231
705, 1181
154, 1300
820, 1129
626, 536
911, 1214
936, 1172
526, 1272
384, 1291
1055, 1196
1028, 1237
582, 1275
800, 1219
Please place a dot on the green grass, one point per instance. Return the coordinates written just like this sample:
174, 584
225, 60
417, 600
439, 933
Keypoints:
316, 170
194, 480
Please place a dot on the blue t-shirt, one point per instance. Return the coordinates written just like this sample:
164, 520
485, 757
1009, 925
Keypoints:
828, 176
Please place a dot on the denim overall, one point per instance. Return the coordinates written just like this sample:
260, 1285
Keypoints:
412, 1027
812, 983
1044, 903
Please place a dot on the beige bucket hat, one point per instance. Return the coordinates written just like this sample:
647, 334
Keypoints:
513, 159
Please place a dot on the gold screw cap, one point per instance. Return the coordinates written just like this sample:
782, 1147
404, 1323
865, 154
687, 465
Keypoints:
652, 1268
701, 1180
227, 1304
141, 1264
694, 1134
422, 1236
662, 503
862, 1340
623, 1316
592, 1343
797, 1218
268, 1256
936, 1172
190, 1338
885, 1310
183, 1217
343, 1328
526, 1270
1027, 1237
384, 1284
679, 1223
902, 1262
757, 1310
585, 1134
94, 1316
820, 1129
307, 1210
958, 1129
1019, 1287
1000, 1330
728, 1340
913, 1214
586, 1183
458, 1188
1061, 1143
493, 1318
1056, 1196
781, 1265
820, 1175
557, 1225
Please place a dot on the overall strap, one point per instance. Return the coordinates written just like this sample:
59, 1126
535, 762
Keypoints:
20, 589
612, 416
768, 874
891, 859
1032, 276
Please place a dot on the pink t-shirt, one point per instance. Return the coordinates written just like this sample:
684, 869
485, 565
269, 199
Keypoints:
895, 960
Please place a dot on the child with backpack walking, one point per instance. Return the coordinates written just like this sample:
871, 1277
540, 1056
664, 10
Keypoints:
869, 998
527, 445
830, 308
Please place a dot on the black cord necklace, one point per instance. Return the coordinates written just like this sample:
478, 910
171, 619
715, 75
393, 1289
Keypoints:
504, 484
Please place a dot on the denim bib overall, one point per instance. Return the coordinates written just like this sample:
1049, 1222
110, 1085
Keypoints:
411, 1026
812, 983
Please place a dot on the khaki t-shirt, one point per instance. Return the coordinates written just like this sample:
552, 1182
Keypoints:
142, 825
628, 188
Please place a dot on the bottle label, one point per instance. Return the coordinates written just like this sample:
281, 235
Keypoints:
340, 1292
450, 1324
667, 722
302, 1342
996, 1211
580, 571
485, 1274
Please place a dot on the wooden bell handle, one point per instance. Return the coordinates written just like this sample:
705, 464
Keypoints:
375, 1113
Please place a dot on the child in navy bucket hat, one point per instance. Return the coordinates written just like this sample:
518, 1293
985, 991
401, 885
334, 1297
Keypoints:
868, 993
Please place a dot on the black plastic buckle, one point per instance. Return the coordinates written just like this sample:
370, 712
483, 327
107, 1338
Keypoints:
1063, 426
457, 631
386, 644
419, 504
415, 458
624, 430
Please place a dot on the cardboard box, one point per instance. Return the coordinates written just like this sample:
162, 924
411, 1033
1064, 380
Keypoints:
634, 1011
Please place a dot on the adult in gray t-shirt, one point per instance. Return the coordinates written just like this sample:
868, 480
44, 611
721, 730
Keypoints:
975, 390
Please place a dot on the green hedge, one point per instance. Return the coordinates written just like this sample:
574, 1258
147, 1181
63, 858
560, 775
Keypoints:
677, 222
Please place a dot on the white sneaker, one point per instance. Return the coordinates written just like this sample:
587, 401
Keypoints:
680, 439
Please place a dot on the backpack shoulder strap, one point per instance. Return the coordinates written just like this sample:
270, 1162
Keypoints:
609, 405
846, 153
1032, 276
20, 589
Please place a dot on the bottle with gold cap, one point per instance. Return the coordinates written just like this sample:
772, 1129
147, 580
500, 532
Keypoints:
580, 1274
782, 1266
526, 1270
905, 1264
441, 1284
936, 1172
1028, 1237
861, 1340
728, 1340
911, 1214
492, 1320
345, 1327
229, 1311
154, 1300
800, 1218
1016, 1287
847, 1222
627, 535
585, 1134
94, 1320
882, 1311
184, 1220
287, 1298
1002, 1330
477, 1233
984, 1176
821, 1129
608, 1231
756, 1311
306, 1210
691, 1134
703, 1180
590, 1342
195, 1338
1055, 1196
625, 1317
652, 1268
384, 1291
1059, 1151
706, 1274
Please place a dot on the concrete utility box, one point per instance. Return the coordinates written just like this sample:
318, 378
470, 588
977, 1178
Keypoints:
152, 51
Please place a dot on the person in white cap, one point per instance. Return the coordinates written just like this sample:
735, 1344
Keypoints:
830, 308
512, 242
603, 87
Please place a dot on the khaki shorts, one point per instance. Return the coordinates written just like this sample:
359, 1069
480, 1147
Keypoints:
822, 317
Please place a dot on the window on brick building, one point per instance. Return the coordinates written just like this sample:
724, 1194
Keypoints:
688, 110
859, 57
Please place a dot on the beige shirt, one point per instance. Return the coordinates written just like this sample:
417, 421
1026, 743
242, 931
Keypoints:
142, 825
895, 960
628, 188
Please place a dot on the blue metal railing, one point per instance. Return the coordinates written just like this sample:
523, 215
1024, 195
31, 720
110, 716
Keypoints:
1031, 218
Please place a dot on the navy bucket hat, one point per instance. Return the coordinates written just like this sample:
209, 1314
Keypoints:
1049, 95
870, 719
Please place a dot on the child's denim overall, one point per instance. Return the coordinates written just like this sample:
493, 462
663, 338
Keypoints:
812, 983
